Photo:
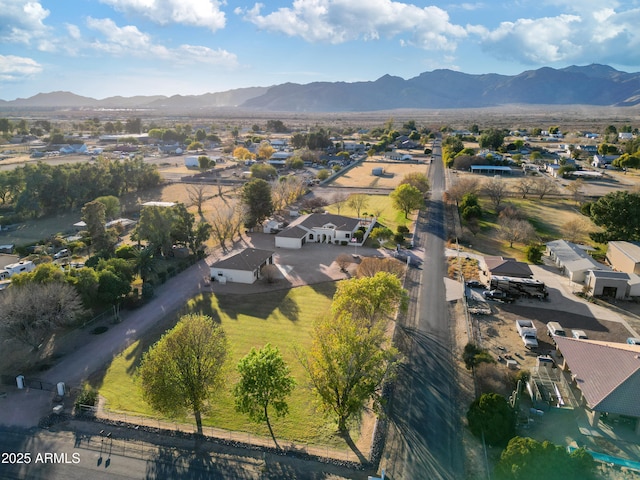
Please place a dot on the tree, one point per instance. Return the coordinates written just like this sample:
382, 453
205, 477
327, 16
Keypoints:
407, 198
370, 298
525, 186
265, 383
534, 253
545, 186
265, 150
495, 189
358, 202
473, 355
323, 174
205, 162
347, 363
155, 226
370, 266
618, 213
343, 261
286, 190
263, 171
381, 234
491, 417
462, 187
576, 229
93, 214
197, 195
338, 201
527, 459
111, 206
28, 313
417, 180
184, 369
576, 189
492, 139
256, 196
241, 153
515, 230
226, 221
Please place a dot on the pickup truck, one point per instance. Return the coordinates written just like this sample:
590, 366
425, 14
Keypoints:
528, 333
498, 295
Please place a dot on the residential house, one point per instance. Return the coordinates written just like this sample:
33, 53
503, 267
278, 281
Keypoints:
508, 267
601, 161
606, 374
321, 228
573, 260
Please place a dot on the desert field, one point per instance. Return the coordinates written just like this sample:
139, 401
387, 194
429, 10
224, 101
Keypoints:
393, 173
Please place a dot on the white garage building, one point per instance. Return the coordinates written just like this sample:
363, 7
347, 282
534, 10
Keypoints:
243, 267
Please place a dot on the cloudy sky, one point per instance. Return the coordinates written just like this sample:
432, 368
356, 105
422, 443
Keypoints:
101, 48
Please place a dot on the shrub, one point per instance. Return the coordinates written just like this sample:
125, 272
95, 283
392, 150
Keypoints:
398, 238
492, 417
147, 291
403, 229
88, 396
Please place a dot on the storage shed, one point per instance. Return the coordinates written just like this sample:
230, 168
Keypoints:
624, 256
611, 284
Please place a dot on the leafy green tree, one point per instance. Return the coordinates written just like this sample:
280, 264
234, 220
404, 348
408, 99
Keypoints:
184, 369
534, 253
111, 206
263, 171
473, 355
256, 197
370, 298
618, 213
265, 383
381, 234
155, 226
417, 180
491, 416
323, 174
492, 139
294, 163
407, 198
347, 363
43, 274
527, 459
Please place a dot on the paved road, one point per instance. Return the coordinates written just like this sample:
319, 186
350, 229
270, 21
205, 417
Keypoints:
425, 438
85, 454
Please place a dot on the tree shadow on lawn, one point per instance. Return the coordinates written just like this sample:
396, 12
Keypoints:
260, 305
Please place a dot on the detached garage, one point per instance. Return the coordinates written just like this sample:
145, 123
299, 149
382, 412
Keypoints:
244, 267
607, 284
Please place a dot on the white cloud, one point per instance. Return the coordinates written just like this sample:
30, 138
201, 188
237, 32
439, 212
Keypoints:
22, 21
128, 40
339, 21
14, 68
599, 35
200, 13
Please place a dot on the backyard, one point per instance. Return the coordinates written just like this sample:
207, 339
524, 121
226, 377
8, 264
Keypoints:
284, 319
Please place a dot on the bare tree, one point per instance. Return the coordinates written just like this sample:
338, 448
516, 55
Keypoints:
226, 221
525, 186
197, 195
462, 187
358, 201
271, 273
343, 261
545, 186
369, 266
515, 230
495, 189
576, 189
339, 200
30, 312
575, 230
285, 191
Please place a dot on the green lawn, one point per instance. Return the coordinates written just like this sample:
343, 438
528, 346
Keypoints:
284, 319
32, 231
389, 216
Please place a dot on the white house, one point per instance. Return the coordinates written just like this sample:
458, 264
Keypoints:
191, 161
243, 267
573, 260
320, 228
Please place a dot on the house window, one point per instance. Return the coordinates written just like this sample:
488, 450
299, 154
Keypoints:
346, 235
311, 236
220, 274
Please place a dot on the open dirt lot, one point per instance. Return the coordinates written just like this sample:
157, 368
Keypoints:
361, 176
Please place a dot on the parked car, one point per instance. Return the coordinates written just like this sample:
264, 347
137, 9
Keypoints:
475, 284
633, 341
62, 253
579, 334
498, 295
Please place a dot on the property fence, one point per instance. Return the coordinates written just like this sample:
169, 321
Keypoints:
240, 438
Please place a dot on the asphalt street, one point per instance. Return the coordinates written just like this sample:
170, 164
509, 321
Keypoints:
425, 438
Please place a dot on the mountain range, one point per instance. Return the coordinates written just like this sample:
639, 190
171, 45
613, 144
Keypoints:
597, 85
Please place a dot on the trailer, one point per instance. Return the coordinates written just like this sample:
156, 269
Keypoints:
15, 268
515, 286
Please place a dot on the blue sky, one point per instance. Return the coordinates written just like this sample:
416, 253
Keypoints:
102, 48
